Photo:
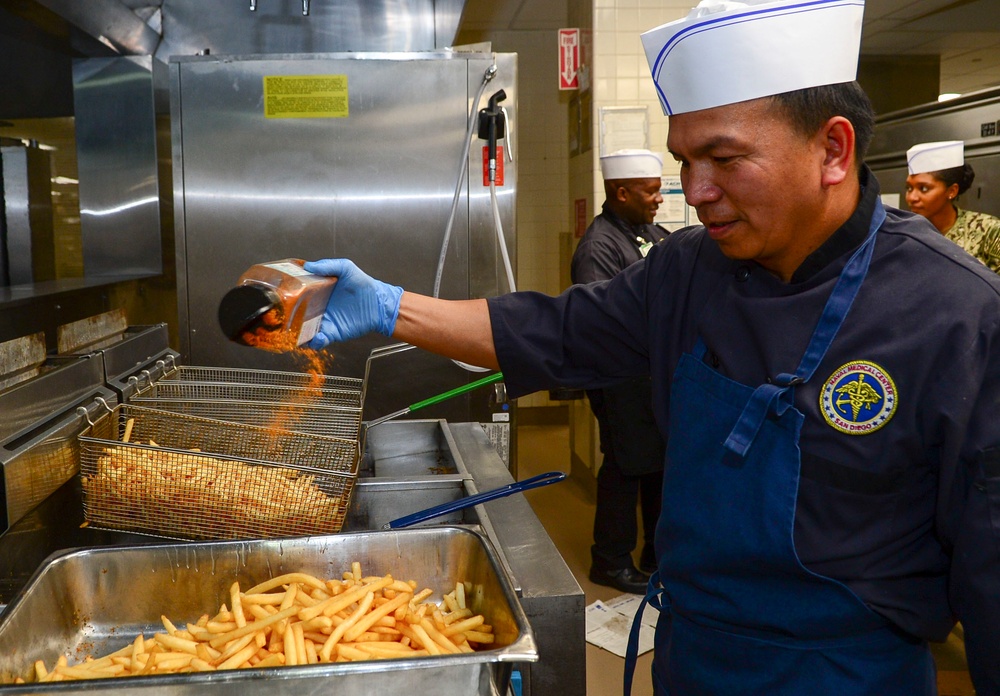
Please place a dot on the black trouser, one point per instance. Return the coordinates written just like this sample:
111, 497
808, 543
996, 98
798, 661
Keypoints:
615, 528
618, 492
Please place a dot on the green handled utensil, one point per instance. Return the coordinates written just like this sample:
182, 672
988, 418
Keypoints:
490, 379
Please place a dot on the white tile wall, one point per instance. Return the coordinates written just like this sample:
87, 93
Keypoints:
621, 76
620, 65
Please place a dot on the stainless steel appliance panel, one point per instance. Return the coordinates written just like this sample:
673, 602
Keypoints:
63, 383
375, 186
38, 446
34, 469
115, 109
26, 204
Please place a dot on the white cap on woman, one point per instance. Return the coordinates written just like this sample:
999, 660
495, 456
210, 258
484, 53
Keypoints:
933, 157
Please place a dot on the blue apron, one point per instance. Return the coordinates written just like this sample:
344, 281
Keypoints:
739, 613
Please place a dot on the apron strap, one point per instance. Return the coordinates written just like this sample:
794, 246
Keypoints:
767, 398
777, 396
655, 594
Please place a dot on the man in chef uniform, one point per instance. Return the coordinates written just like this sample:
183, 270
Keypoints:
632, 469
826, 373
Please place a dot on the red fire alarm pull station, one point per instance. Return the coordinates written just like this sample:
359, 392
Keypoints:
486, 166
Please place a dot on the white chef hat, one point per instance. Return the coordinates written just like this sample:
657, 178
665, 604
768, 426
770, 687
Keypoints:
632, 164
933, 157
725, 52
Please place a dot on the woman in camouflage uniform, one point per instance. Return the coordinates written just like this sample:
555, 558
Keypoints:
933, 193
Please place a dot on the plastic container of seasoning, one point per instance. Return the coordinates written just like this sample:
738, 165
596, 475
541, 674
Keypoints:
276, 305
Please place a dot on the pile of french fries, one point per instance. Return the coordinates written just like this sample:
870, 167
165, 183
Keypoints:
297, 619
199, 496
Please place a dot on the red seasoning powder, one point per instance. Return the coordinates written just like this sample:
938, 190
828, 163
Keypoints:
315, 364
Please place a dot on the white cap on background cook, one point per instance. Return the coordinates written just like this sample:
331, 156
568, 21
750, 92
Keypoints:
726, 52
632, 164
933, 157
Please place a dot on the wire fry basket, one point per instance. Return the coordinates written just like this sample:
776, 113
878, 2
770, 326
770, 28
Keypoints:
169, 474
332, 389
309, 403
289, 408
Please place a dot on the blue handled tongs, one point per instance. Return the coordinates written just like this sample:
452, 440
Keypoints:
469, 501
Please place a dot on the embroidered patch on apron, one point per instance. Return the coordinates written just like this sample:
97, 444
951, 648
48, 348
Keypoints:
858, 398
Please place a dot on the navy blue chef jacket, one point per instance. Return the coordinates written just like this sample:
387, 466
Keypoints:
906, 515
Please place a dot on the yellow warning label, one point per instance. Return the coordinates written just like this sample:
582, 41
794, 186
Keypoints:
305, 96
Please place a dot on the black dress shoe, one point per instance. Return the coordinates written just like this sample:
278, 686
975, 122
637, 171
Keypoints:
624, 579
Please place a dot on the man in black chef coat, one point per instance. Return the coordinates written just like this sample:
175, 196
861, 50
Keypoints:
826, 371
633, 449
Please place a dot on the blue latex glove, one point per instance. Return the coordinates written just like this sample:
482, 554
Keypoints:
358, 305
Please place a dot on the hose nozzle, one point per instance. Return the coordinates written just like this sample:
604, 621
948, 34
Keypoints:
492, 128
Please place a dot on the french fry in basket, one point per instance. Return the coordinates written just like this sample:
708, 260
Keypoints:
128, 429
297, 619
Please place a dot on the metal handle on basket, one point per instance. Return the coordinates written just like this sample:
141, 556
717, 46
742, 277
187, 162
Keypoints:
134, 381
469, 501
173, 365
82, 410
389, 349
380, 352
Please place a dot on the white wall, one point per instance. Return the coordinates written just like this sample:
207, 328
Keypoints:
621, 73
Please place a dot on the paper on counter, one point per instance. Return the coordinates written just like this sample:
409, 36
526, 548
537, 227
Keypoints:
609, 623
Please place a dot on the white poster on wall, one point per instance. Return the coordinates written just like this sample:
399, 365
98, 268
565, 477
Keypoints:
624, 128
673, 211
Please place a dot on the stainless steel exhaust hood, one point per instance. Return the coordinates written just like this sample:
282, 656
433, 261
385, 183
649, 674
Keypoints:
110, 22
332, 26
187, 27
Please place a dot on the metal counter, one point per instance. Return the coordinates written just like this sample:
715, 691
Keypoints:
549, 594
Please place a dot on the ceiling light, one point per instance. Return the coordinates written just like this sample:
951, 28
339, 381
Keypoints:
948, 95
